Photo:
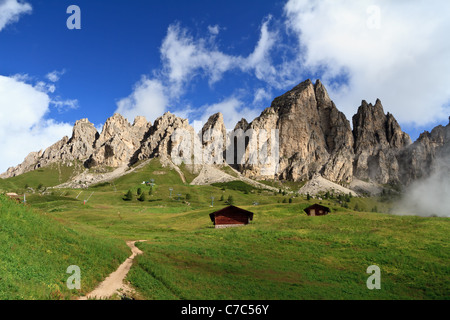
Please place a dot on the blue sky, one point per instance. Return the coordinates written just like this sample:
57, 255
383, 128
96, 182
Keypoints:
198, 57
119, 42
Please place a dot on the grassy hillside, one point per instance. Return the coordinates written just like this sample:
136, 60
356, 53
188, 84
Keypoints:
282, 254
286, 255
35, 251
49, 176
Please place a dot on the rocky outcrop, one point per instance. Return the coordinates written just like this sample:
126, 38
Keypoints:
118, 141
27, 165
314, 137
79, 147
378, 140
213, 138
159, 142
242, 124
426, 155
302, 134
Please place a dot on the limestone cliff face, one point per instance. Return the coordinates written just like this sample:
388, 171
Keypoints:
213, 138
429, 152
84, 135
158, 141
314, 137
118, 141
79, 147
378, 140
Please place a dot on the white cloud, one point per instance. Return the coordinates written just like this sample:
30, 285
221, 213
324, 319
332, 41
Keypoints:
54, 76
260, 60
148, 99
184, 58
214, 30
262, 95
421, 196
42, 86
63, 105
23, 126
399, 56
392, 50
11, 10
232, 109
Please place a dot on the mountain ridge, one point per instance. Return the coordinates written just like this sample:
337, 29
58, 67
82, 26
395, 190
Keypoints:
314, 138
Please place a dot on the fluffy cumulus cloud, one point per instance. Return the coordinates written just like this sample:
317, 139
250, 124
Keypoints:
148, 99
392, 50
11, 10
23, 122
262, 95
184, 58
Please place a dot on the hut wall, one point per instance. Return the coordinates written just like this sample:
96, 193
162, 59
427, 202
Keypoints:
231, 218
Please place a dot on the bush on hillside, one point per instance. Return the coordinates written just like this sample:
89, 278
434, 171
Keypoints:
128, 196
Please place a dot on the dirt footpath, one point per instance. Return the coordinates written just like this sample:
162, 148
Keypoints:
114, 283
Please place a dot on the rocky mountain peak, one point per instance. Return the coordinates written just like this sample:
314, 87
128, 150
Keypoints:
242, 124
85, 131
314, 137
372, 127
321, 93
378, 137
118, 141
140, 121
158, 140
215, 122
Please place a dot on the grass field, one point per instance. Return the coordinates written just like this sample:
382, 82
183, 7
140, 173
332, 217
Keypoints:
36, 250
50, 176
282, 254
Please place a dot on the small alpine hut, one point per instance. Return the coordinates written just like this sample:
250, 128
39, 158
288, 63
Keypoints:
13, 196
231, 216
317, 210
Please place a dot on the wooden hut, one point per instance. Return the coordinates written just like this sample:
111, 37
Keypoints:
317, 210
231, 216
13, 196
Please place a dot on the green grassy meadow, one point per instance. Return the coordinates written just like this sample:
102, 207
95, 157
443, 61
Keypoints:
282, 254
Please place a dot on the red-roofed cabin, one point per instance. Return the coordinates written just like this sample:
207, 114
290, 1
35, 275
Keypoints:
317, 210
231, 217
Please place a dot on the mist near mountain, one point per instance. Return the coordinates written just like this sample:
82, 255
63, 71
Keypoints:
429, 196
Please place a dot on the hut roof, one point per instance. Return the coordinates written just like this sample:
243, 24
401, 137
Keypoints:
12, 194
232, 208
317, 206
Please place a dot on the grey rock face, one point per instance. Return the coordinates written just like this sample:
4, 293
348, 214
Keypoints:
213, 138
429, 152
158, 141
118, 141
378, 140
79, 147
314, 137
